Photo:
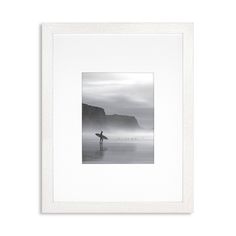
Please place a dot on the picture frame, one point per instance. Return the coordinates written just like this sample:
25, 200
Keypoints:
56, 40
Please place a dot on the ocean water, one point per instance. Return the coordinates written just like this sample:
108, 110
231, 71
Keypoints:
118, 151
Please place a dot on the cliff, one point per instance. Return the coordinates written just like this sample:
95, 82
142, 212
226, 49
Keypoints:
93, 116
96, 118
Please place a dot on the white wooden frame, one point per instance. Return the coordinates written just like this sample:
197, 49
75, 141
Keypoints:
48, 205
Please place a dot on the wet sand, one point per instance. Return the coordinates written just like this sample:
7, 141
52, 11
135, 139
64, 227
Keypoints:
118, 152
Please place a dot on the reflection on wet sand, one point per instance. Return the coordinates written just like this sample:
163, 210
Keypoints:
100, 151
101, 146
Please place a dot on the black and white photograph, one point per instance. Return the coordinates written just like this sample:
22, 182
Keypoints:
117, 118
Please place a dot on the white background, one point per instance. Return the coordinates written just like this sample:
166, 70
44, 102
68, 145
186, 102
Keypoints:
74, 181
215, 117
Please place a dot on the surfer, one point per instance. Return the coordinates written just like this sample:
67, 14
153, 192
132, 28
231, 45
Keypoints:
101, 137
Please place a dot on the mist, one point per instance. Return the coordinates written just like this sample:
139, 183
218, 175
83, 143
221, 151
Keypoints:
129, 94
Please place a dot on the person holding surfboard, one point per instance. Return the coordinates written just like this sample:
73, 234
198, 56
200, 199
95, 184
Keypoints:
101, 136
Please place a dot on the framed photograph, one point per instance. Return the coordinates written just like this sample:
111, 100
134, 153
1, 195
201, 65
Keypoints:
117, 118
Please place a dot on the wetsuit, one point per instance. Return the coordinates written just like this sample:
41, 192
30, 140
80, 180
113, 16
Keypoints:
101, 138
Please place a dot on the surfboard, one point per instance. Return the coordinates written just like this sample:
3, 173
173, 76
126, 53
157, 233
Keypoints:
99, 135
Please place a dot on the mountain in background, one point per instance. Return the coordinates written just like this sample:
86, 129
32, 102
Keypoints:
95, 118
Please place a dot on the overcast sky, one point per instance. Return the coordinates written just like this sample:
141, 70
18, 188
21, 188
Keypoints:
121, 93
